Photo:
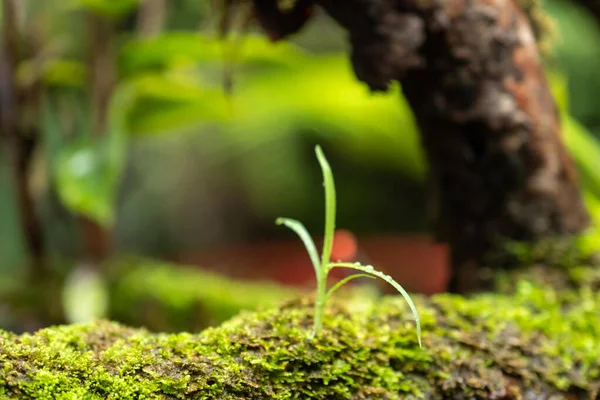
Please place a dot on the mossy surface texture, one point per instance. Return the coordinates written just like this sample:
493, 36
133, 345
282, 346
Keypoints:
536, 342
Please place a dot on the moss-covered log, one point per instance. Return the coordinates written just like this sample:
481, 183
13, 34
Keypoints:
540, 341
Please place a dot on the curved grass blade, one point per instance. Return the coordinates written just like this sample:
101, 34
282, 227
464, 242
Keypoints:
330, 205
370, 270
301, 231
344, 281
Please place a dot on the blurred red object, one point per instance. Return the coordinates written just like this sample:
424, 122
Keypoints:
414, 261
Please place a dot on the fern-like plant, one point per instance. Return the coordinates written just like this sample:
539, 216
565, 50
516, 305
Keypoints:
323, 265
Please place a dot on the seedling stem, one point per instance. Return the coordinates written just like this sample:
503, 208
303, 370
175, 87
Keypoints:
324, 265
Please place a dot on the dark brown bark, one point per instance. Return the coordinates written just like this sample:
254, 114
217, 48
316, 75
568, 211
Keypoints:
490, 128
278, 24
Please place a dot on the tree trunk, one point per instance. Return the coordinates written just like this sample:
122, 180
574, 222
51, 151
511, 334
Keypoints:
490, 128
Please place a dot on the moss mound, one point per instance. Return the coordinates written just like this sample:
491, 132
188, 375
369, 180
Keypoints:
535, 342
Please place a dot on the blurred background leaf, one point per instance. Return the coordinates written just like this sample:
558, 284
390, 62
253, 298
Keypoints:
208, 140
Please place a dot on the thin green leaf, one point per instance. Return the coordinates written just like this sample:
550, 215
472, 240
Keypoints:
344, 281
329, 206
370, 270
301, 231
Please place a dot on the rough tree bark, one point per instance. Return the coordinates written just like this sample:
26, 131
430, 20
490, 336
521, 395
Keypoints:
490, 128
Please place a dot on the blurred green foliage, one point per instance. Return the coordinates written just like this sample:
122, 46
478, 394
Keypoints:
87, 169
577, 54
161, 297
171, 86
174, 83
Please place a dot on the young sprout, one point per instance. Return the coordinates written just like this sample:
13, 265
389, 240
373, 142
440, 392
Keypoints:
323, 265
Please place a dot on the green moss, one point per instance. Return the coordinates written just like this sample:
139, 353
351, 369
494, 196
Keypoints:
534, 342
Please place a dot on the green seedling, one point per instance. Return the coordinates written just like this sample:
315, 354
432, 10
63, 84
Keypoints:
323, 265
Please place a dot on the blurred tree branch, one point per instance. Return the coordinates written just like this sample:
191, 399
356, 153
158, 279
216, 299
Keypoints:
151, 17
